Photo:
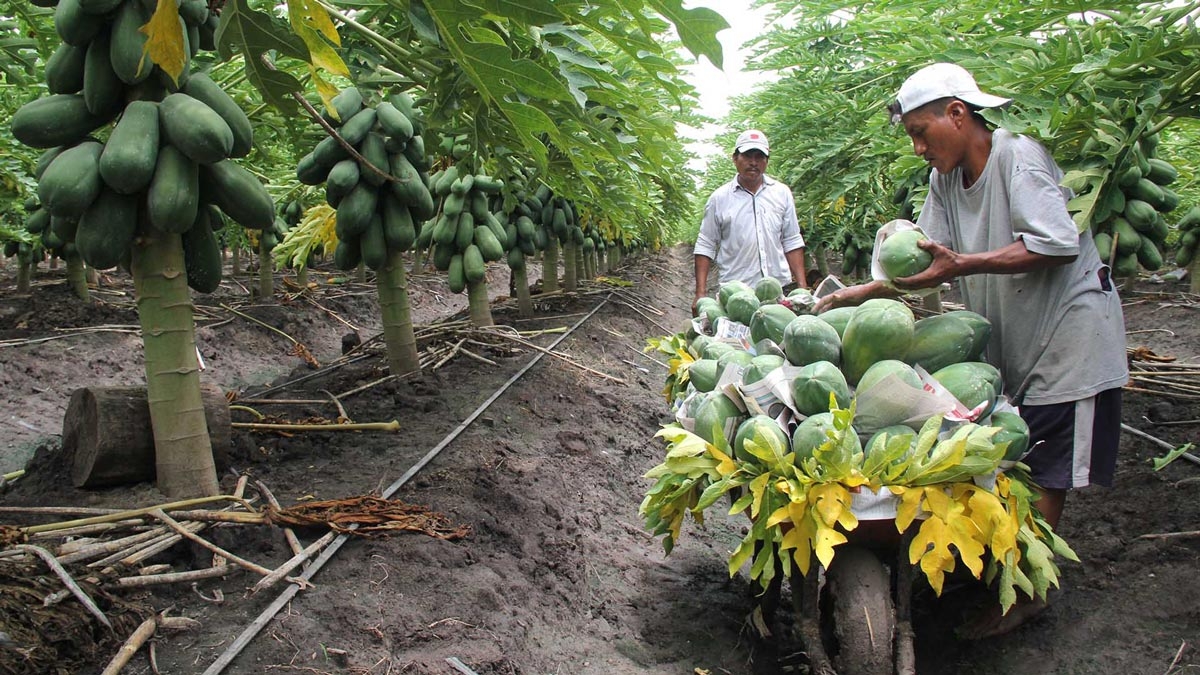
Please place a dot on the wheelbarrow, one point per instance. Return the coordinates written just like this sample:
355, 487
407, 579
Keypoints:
855, 617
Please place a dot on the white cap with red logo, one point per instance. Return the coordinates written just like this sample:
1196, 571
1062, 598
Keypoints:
944, 80
752, 139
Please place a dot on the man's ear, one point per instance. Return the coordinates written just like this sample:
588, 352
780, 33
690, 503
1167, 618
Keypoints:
957, 110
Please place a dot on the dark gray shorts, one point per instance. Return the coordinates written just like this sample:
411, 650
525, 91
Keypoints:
1074, 444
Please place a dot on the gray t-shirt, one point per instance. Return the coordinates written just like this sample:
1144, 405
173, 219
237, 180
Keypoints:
1058, 334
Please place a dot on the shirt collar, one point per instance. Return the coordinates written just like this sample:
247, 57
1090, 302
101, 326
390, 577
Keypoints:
767, 180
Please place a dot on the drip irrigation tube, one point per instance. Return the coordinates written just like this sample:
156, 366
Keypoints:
288, 593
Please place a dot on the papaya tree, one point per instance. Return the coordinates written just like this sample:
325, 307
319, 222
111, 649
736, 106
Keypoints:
147, 196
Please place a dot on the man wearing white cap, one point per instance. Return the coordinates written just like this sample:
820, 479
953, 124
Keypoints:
750, 228
997, 220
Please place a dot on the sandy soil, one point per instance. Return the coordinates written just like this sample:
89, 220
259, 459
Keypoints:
557, 575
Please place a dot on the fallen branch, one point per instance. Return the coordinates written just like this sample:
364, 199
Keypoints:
364, 426
187, 534
175, 577
62, 574
125, 515
294, 562
107, 547
1161, 443
134, 555
343, 416
288, 533
1172, 535
1167, 394
1167, 424
143, 633
555, 354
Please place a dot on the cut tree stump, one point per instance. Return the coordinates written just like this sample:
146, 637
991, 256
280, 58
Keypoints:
108, 438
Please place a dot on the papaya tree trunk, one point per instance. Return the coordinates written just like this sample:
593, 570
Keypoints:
362, 273
580, 264
477, 303
24, 272
235, 265
266, 272
53, 264
183, 450
550, 266
392, 284
418, 260
91, 276
302, 276
77, 276
570, 271
1194, 275
602, 261
821, 255
521, 284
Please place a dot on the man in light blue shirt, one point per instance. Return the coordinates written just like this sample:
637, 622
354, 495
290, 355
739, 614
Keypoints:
750, 228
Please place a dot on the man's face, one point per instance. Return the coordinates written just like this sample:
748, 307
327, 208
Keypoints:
750, 166
938, 138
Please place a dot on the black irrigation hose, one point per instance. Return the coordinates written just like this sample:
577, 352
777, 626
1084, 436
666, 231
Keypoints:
288, 593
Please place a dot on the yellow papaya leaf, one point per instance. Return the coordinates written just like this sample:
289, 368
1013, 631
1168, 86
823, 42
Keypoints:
938, 503
325, 89
832, 503
965, 536
758, 487
725, 464
909, 507
931, 549
800, 538
824, 540
311, 22
781, 515
998, 527
164, 39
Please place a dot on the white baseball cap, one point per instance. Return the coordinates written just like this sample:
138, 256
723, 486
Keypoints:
943, 80
752, 139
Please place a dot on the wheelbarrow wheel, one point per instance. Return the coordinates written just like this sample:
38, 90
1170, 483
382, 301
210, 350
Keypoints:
860, 613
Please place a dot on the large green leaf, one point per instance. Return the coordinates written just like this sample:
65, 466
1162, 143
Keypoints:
255, 35
697, 28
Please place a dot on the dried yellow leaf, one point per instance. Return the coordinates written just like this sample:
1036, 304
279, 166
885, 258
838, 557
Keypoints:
164, 39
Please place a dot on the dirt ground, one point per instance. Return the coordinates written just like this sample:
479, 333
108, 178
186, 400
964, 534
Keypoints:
556, 575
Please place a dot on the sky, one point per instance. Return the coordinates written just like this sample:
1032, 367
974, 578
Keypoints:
717, 86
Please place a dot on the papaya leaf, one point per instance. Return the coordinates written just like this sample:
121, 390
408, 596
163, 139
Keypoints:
741, 504
800, 540
712, 493
763, 568
742, 553
824, 540
831, 501
1162, 462
531, 12
909, 506
930, 548
255, 36
697, 28
164, 39
422, 23
998, 527
687, 445
310, 21
758, 488
767, 447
